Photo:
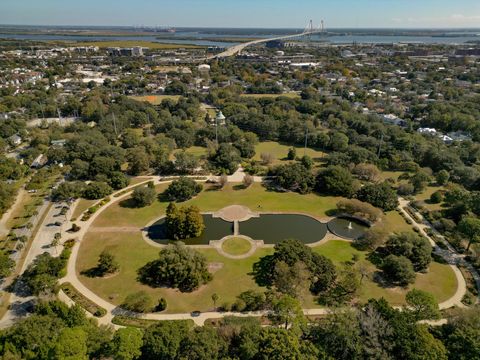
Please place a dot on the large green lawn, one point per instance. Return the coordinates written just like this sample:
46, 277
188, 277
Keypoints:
280, 151
132, 252
230, 276
256, 197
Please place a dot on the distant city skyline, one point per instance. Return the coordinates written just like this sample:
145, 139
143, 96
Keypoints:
245, 13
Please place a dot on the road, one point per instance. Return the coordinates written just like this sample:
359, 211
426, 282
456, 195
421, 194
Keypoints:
236, 49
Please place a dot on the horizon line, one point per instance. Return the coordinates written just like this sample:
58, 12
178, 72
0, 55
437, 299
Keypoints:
249, 27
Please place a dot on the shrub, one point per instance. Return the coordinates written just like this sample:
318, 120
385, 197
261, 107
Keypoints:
162, 305
248, 180
436, 197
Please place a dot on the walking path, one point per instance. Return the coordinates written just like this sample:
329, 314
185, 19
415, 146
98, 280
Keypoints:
449, 254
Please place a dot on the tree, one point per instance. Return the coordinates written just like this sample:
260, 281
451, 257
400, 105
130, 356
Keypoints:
442, 177
162, 340
179, 267
419, 181
176, 87
344, 288
126, 344
97, 190
203, 343
185, 163
68, 190
358, 208
336, 180
138, 160
71, 344
436, 197
307, 162
292, 153
117, 180
293, 177
226, 158
287, 311
422, 305
281, 344
461, 335
368, 172
215, 298
291, 251
415, 247
373, 238
6, 265
223, 181
182, 189
379, 195
267, 158
247, 180
139, 302
184, 222
143, 196
107, 263
292, 280
399, 269
470, 227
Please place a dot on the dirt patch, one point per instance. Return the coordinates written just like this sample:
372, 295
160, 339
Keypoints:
214, 267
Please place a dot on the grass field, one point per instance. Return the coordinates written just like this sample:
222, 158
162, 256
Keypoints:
256, 197
280, 151
236, 246
197, 151
230, 277
155, 99
425, 197
439, 280
83, 204
133, 43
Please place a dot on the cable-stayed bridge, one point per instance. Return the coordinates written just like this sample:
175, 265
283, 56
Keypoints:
236, 49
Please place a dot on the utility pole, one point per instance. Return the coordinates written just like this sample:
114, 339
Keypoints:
216, 130
380, 146
306, 141
115, 124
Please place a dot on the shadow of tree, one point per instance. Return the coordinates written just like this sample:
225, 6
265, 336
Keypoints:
262, 270
128, 203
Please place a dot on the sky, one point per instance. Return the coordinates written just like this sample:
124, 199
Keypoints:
245, 13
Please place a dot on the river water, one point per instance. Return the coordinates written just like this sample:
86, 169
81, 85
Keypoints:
209, 38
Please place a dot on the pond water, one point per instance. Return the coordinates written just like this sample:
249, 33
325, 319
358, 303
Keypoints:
347, 228
273, 228
215, 229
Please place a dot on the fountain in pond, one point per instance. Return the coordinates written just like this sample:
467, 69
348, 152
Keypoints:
347, 228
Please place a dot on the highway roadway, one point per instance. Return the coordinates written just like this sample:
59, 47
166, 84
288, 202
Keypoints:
236, 49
